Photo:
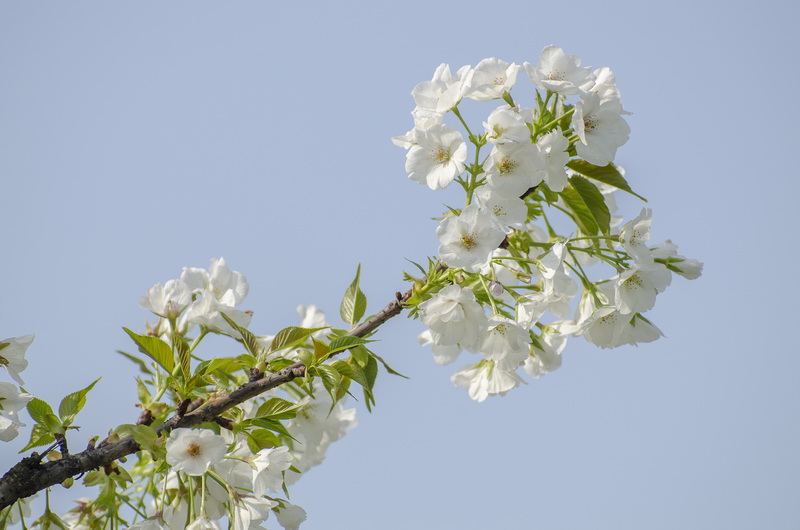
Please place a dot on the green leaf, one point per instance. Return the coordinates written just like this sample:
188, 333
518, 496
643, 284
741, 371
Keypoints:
155, 348
180, 345
142, 365
361, 355
587, 203
345, 343
248, 339
330, 378
40, 436
277, 409
389, 368
39, 409
606, 174
290, 336
594, 201
144, 435
354, 303
259, 439
72, 404
225, 364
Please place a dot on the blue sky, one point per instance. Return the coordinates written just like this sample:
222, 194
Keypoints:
139, 138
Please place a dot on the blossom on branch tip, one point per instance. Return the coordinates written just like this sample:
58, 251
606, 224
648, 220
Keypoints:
490, 79
455, 318
441, 354
513, 168
290, 516
229, 287
560, 73
437, 158
600, 128
485, 379
507, 124
11, 402
545, 356
168, 300
467, 240
194, 451
12, 355
506, 343
442, 92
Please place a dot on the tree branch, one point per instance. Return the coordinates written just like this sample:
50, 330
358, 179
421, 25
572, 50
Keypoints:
30, 475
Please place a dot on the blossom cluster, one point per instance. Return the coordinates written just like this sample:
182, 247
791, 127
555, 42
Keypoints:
230, 473
503, 265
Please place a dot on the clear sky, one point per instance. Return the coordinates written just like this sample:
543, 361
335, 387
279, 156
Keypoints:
137, 138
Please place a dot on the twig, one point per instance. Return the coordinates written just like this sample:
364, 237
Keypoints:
30, 475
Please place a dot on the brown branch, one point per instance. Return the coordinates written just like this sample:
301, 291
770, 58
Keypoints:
30, 475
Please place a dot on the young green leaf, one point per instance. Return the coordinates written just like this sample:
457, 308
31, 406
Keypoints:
155, 348
354, 303
73, 403
606, 174
588, 205
248, 339
277, 409
39, 409
288, 337
345, 343
40, 436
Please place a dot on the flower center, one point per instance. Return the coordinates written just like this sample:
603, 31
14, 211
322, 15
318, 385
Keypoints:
506, 165
469, 241
499, 81
588, 124
634, 282
441, 155
194, 450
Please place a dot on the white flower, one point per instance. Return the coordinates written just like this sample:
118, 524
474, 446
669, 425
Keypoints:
455, 318
560, 73
168, 300
547, 358
606, 327
229, 287
269, 467
203, 523
600, 128
514, 167
12, 355
635, 234
606, 87
290, 516
437, 158
194, 451
318, 423
689, 268
490, 78
441, 354
558, 287
11, 402
443, 92
485, 379
507, 124
506, 343
553, 148
635, 289
207, 311
249, 509
467, 240
508, 208
312, 317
